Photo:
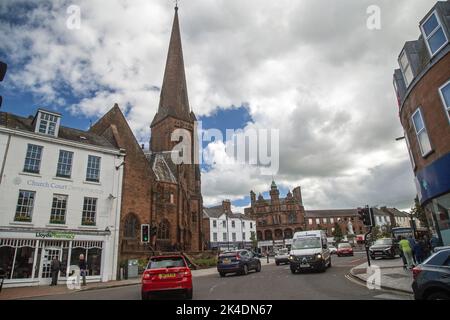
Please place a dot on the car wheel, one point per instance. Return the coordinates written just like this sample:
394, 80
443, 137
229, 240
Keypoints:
338, 255
293, 271
277, 263
222, 274
323, 268
440, 295
258, 267
144, 296
245, 270
329, 263
372, 257
188, 294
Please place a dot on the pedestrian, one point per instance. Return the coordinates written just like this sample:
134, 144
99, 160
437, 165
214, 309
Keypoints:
55, 267
399, 238
412, 245
434, 242
82, 266
419, 251
407, 252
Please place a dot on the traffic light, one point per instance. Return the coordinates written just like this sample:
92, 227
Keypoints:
145, 233
3, 68
365, 215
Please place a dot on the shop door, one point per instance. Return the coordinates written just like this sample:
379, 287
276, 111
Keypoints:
46, 260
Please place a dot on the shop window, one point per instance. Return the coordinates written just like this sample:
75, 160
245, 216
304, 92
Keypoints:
94, 261
6, 261
23, 266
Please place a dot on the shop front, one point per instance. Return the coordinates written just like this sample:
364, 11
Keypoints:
25, 257
433, 186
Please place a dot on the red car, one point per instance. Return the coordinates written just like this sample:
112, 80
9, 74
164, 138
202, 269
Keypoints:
167, 274
344, 249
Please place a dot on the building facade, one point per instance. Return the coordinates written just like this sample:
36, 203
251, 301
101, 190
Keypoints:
277, 219
422, 85
137, 186
227, 229
346, 219
60, 196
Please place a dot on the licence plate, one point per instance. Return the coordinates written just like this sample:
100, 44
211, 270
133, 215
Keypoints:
306, 265
226, 261
167, 275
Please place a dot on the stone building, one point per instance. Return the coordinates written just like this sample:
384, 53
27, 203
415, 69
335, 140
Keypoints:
137, 186
177, 200
422, 85
277, 218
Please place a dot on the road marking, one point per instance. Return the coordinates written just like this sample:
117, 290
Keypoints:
212, 288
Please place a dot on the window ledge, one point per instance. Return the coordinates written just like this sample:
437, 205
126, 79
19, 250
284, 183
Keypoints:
88, 227
21, 223
63, 179
426, 155
55, 225
37, 175
92, 182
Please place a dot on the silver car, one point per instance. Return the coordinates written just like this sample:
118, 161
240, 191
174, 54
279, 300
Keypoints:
282, 256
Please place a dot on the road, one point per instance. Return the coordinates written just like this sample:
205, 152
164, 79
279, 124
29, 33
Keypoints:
272, 283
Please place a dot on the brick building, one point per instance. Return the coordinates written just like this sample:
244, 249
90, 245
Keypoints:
137, 186
277, 218
422, 85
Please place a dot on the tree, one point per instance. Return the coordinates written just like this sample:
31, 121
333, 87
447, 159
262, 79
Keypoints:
418, 212
337, 233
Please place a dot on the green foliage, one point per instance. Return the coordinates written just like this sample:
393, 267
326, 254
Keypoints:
253, 239
206, 262
418, 212
337, 233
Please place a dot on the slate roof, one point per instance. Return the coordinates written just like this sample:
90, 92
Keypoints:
217, 211
15, 122
163, 167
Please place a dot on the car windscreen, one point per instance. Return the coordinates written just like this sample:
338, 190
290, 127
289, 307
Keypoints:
160, 263
228, 255
441, 258
344, 245
282, 251
383, 242
306, 243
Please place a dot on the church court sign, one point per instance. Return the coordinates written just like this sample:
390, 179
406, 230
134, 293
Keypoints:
56, 186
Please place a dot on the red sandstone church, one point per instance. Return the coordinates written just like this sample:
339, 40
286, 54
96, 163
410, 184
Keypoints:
157, 191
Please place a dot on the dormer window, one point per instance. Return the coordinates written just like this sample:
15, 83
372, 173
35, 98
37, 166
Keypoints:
405, 66
434, 34
47, 123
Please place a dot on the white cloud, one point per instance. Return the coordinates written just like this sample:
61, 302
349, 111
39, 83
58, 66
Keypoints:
309, 68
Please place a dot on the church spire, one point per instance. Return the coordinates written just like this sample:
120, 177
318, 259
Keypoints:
174, 98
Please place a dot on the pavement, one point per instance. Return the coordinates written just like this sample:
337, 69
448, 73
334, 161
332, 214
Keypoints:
385, 273
272, 283
42, 291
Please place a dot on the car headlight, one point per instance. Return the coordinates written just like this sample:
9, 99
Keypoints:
291, 257
318, 256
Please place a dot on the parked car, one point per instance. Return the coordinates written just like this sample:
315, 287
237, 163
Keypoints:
282, 256
333, 249
344, 249
384, 247
432, 277
167, 274
239, 261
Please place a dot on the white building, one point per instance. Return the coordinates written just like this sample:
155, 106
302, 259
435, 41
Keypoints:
60, 195
228, 229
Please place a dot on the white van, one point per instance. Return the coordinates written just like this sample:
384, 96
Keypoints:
309, 251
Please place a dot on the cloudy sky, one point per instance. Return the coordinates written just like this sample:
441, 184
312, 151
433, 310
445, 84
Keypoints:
310, 68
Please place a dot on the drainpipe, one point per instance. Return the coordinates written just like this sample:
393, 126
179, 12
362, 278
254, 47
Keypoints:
4, 158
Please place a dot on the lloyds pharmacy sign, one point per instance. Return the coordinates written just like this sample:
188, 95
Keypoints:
55, 235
